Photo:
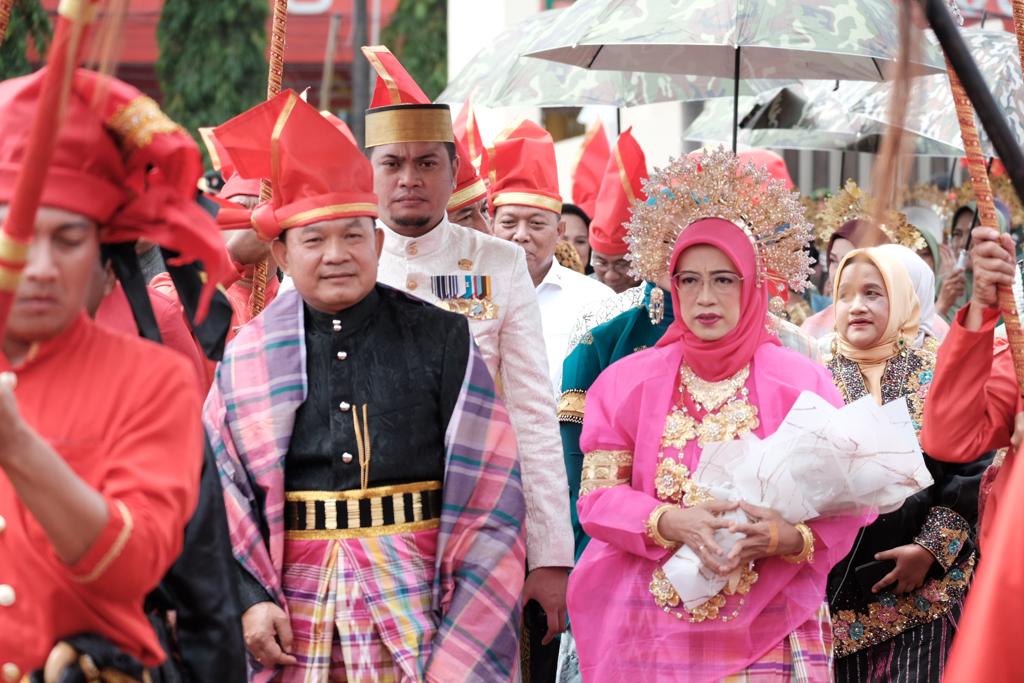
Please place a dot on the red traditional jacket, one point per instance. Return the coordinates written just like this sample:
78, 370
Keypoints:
116, 313
970, 409
972, 404
124, 414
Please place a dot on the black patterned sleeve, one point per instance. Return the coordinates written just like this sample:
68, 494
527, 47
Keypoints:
944, 535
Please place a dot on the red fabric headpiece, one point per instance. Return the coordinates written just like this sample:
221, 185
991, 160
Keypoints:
234, 184
621, 186
590, 169
469, 187
316, 173
722, 358
120, 161
467, 134
341, 126
525, 171
772, 162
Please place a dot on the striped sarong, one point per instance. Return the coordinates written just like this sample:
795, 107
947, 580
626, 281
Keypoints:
804, 657
360, 608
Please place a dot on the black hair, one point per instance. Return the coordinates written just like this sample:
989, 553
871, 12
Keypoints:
574, 210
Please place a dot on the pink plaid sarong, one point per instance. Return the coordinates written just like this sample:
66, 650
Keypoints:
805, 656
360, 608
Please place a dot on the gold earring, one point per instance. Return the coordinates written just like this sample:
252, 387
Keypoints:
656, 308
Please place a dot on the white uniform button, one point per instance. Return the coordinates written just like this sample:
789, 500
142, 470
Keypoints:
344, 406
342, 355
6, 595
411, 285
336, 325
413, 249
11, 672
346, 458
3, 524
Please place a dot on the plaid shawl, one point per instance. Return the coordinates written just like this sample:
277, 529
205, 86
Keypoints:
249, 416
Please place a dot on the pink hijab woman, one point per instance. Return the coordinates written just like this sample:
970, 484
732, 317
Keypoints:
718, 374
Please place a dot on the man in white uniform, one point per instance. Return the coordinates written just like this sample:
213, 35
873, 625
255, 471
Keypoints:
527, 211
484, 278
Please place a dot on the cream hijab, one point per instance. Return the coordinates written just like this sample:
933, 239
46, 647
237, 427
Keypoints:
903, 323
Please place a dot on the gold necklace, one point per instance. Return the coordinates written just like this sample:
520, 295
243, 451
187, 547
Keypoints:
727, 412
709, 396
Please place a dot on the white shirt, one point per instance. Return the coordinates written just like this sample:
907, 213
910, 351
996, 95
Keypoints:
563, 294
505, 321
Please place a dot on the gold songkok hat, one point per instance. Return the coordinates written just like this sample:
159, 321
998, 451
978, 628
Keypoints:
400, 110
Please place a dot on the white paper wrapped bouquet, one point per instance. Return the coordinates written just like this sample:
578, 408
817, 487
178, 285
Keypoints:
822, 461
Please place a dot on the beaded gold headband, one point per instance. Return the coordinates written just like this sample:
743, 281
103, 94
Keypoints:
717, 185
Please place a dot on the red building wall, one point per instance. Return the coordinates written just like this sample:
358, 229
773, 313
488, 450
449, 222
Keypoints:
308, 25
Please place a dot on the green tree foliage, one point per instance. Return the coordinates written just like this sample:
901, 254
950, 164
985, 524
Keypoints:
28, 20
418, 35
212, 64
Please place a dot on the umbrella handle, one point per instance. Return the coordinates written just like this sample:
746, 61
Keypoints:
736, 101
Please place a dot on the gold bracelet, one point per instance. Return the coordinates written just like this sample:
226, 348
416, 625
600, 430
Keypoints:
651, 527
807, 554
773, 538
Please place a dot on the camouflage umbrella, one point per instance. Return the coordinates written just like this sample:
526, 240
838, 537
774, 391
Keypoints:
811, 39
853, 40
501, 76
932, 113
811, 116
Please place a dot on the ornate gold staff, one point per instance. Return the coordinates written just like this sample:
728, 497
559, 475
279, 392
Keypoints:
5, 17
257, 299
983, 193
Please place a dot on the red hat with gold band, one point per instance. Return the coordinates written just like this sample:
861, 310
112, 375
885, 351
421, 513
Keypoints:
467, 133
525, 171
119, 161
469, 187
590, 167
234, 184
341, 126
621, 185
400, 110
316, 173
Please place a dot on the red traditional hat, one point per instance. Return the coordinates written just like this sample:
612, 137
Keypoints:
341, 126
525, 171
772, 162
467, 132
621, 186
120, 161
590, 167
317, 173
469, 187
400, 110
234, 184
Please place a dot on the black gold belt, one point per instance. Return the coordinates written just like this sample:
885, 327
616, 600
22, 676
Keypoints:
323, 515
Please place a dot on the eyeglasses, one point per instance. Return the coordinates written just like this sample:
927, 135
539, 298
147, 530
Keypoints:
620, 266
690, 285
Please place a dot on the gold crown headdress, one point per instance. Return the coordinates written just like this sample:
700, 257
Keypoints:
930, 197
852, 204
716, 185
1002, 189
